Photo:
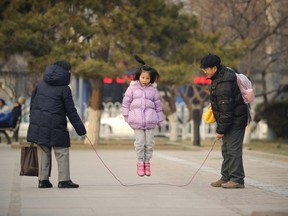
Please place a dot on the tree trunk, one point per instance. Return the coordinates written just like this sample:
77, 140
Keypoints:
93, 129
173, 122
94, 111
196, 127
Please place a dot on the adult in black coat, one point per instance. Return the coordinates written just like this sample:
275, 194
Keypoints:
231, 114
51, 103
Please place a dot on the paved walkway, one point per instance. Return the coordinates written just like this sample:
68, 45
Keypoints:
100, 194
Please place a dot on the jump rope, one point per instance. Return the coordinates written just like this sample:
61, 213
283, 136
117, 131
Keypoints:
149, 184
148, 68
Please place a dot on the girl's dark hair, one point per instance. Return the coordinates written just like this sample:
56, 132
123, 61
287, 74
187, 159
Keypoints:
145, 68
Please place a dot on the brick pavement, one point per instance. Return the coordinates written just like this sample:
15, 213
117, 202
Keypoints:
266, 191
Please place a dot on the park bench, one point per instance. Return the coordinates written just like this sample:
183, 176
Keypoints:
8, 131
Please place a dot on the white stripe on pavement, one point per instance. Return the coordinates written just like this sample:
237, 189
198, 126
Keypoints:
267, 187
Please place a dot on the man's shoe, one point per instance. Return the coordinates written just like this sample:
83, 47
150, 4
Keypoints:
231, 185
218, 183
44, 184
67, 184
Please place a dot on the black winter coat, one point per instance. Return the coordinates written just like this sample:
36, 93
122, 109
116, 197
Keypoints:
51, 102
229, 109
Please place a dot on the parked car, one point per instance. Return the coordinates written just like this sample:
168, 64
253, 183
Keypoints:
115, 126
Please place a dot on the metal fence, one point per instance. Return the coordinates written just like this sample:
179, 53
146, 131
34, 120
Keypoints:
184, 130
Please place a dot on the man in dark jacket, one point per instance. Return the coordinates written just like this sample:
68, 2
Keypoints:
231, 114
51, 102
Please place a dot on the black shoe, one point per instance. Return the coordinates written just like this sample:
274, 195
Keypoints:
45, 184
67, 184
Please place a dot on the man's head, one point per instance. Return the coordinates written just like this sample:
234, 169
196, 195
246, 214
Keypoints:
209, 64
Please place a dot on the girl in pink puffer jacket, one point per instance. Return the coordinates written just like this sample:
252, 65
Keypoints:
142, 110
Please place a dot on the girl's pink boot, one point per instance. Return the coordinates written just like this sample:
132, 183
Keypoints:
147, 169
140, 169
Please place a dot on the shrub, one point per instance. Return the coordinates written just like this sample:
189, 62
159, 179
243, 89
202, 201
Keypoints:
276, 116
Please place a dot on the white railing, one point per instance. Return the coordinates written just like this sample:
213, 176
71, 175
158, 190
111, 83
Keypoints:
185, 130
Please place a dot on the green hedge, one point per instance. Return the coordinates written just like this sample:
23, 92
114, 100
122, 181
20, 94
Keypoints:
276, 116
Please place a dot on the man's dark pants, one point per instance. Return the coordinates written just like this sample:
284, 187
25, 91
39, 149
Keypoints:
232, 148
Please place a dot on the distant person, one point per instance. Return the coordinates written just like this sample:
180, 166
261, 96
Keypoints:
9, 119
231, 114
3, 106
51, 102
142, 110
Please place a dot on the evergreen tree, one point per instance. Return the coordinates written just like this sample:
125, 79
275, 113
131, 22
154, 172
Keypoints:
100, 37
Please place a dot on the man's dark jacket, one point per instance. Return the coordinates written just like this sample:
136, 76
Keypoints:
229, 109
51, 102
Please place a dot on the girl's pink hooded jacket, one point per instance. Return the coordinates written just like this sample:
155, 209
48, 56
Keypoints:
141, 106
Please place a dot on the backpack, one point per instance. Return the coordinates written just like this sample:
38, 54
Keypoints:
245, 87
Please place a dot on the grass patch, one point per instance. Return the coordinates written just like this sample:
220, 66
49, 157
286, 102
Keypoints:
272, 146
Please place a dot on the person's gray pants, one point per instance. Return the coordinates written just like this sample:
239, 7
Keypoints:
144, 144
44, 160
232, 166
